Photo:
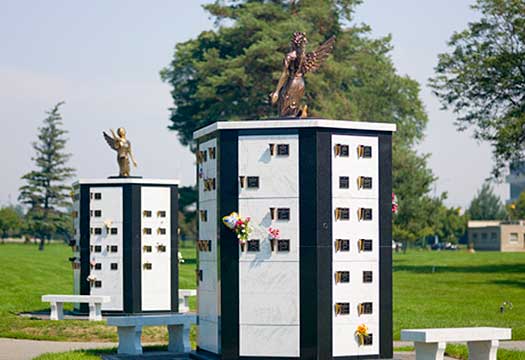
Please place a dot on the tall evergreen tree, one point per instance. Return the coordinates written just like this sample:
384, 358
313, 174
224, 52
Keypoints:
486, 205
44, 190
228, 73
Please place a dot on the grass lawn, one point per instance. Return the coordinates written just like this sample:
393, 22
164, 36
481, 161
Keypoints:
431, 289
456, 289
26, 274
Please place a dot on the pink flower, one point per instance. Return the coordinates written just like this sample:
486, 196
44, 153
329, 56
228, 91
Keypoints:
274, 233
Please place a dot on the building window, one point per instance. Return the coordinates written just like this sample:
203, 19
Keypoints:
475, 236
114, 266
484, 236
344, 182
493, 236
367, 277
513, 237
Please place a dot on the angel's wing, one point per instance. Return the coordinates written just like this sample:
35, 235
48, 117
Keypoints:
313, 60
111, 142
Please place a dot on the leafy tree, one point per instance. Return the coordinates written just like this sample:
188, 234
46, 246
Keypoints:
228, 73
450, 224
486, 205
517, 208
483, 78
45, 191
10, 222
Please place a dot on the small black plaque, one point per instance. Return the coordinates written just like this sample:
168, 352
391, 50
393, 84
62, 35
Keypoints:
98, 266
283, 245
367, 277
283, 149
344, 151
366, 308
365, 182
343, 276
342, 245
365, 214
114, 266
98, 231
344, 182
364, 151
253, 245
98, 284
342, 308
283, 214
366, 245
98, 196
114, 231
114, 248
253, 182
368, 340
98, 248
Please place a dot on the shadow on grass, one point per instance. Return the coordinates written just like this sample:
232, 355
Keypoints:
500, 268
515, 283
191, 261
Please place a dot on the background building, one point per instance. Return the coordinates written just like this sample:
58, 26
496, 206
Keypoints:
497, 235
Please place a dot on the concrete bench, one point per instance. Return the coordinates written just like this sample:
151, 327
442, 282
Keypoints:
57, 304
482, 342
130, 331
184, 299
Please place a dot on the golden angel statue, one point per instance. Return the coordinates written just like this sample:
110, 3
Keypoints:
296, 65
122, 145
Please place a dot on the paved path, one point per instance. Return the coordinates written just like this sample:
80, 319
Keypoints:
14, 349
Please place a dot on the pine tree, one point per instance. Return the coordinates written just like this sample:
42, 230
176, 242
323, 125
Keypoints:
486, 205
45, 191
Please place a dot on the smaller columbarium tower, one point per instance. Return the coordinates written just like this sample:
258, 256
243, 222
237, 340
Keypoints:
327, 187
125, 243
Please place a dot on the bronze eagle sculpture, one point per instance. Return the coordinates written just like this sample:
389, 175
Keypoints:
296, 65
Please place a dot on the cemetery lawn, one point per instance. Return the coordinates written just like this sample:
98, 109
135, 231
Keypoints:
27, 274
431, 289
459, 289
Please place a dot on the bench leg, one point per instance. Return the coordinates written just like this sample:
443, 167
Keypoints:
430, 351
129, 340
95, 312
57, 311
179, 338
483, 350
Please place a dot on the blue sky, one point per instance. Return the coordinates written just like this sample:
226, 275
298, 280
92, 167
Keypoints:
103, 58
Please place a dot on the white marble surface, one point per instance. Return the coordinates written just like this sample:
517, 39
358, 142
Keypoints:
345, 341
278, 175
300, 123
269, 341
456, 334
208, 336
127, 181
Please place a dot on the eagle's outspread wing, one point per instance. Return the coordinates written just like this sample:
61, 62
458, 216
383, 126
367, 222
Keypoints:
111, 142
313, 60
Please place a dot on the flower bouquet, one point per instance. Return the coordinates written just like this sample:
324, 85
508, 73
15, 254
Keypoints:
395, 206
91, 278
240, 226
361, 332
274, 235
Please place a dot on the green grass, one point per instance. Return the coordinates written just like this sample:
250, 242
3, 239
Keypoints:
456, 289
464, 290
461, 352
26, 274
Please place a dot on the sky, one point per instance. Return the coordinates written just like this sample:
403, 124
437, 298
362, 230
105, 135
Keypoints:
103, 59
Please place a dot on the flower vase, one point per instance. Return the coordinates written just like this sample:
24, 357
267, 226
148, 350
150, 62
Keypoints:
243, 245
272, 243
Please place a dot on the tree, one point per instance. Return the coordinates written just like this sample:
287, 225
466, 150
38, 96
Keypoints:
450, 224
10, 222
228, 73
45, 191
517, 208
187, 212
483, 79
486, 205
